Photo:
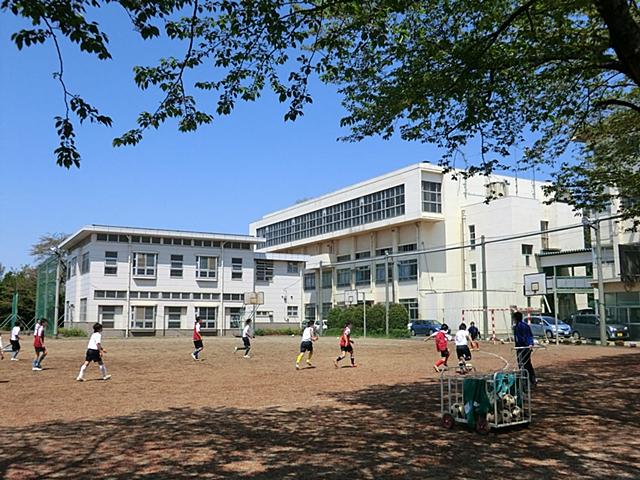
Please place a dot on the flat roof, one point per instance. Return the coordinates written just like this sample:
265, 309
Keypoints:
87, 230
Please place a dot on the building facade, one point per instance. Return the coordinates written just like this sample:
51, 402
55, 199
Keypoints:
366, 237
154, 282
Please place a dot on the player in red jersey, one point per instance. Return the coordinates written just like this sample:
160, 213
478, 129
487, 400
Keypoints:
197, 339
38, 344
346, 345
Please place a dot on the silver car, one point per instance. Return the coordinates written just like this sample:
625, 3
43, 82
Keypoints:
588, 326
545, 326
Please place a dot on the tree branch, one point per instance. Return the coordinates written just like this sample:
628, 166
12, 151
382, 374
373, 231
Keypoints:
617, 102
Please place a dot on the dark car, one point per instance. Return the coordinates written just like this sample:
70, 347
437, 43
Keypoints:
587, 325
545, 326
423, 327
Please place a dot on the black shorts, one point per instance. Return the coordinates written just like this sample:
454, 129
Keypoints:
15, 345
463, 352
40, 349
475, 337
93, 356
306, 346
444, 353
246, 341
197, 343
346, 348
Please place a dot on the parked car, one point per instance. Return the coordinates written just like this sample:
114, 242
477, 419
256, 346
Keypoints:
423, 327
318, 328
545, 326
588, 326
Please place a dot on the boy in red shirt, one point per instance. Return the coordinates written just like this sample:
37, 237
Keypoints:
346, 345
197, 339
441, 339
38, 344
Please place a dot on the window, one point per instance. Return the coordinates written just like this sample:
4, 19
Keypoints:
293, 267
474, 275
381, 252
207, 267
409, 247
143, 317
236, 269
264, 270
107, 315
343, 258
325, 309
83, 310
176, 266
232, 297
174, 316
309, 281
110, 263
72, 267
112, 294
411, 304
208, 315
544, 237
407, 270
527, 251
370, 208
431, 197
327, 279
84, 264
144, 264
343, 277
363, 275
472, 236
292, 311
380, 277
310, 311
360, 255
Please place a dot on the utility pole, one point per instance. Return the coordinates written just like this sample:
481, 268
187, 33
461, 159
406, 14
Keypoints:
386, 292
485, 306
601, 310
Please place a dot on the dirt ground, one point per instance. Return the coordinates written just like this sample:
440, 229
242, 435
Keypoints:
164, 416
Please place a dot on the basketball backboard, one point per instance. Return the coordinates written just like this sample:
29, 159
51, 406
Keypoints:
535, 284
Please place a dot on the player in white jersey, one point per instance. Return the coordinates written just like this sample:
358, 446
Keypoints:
246, 339
308, 337
462, 347
15, 342
94, 354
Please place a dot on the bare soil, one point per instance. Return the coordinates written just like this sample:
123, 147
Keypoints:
165, 416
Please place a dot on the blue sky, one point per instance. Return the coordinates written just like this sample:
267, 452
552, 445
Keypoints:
217, 179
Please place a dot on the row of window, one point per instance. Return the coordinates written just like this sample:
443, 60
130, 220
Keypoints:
122, 294
370, 208
361, 275
185, 242
380, 252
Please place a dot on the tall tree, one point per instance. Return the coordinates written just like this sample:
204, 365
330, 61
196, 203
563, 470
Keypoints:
455, 73
44, 246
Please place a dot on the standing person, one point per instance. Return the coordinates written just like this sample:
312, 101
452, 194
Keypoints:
94, 354
38, 344
441, 339
462, 347
246, 338
1, 347
308, 337
346, 345
15, 342
474, 333
197, 339
524, 345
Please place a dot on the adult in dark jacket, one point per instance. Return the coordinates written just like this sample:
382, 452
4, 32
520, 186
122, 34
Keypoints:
524, 346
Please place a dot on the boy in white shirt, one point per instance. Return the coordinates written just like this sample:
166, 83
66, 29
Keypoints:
308, 337
246, 336
94, 354
462, 347
15, 342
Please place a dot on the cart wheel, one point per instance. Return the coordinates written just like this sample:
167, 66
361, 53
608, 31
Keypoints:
448, 421
482, 426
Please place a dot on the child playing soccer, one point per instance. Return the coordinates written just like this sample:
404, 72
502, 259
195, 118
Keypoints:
197, 339
15, 342
1, 347
38, 344
246, 336
441, 338
346, 345
94, 354
462, 347
474, 333
308, 337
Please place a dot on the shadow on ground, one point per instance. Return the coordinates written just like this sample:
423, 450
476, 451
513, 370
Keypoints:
586, 419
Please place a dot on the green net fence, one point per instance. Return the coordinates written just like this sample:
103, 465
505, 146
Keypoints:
46, 292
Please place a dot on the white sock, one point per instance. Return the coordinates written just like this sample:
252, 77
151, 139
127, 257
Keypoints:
82, 369
103, 369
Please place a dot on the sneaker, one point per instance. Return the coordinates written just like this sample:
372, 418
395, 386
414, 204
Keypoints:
246, 356
107, 377
37, 369
297, 366
194, 357
15, 359
235, 349
79, 379
335, 363
354, 365
436, 369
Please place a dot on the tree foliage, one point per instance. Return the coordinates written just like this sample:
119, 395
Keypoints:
454, 73
24, 282
398, 317
43, 247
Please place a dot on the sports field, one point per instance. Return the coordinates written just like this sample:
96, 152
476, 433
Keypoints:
164, 416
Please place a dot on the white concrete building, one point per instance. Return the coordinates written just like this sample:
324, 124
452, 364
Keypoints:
347, 233
154, 282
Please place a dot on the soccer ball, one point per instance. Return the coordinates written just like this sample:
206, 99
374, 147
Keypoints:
516, 413
457, 410
506, 416
509, 400
490, 417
